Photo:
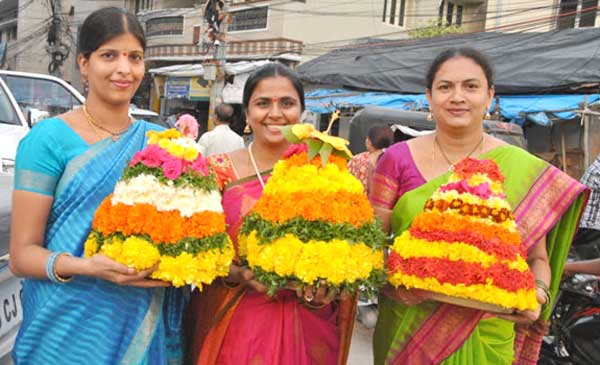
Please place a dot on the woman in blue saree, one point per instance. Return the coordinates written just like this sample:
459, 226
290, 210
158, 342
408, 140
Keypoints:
77, 310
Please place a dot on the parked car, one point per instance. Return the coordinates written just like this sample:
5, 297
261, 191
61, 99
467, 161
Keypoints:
41, 96
409, 124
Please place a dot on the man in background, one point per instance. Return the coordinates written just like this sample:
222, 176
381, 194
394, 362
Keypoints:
221, 139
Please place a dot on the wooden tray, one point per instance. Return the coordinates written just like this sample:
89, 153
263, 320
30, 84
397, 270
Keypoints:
469, 303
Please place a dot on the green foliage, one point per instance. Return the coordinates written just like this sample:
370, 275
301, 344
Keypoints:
191, 245
435, 28
188, 178
370, 234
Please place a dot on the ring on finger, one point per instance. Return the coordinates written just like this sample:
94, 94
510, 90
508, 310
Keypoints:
308, 297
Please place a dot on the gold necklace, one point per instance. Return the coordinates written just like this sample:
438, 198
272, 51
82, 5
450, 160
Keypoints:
451, 165
115, 135
96, 131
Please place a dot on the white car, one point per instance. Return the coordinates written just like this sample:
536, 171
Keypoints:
41, 96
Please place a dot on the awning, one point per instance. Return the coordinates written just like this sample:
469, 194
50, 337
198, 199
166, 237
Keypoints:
537, 108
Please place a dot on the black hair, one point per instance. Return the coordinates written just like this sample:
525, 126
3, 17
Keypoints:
380, 136
272, 70
105, 24
224, 113
467, 52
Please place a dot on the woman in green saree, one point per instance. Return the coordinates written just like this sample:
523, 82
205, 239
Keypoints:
546, 205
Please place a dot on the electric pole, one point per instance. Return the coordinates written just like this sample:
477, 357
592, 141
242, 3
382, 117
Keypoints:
57, 50
219, 59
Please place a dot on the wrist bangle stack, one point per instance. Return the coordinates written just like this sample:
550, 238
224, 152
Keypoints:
544, 287
51, 268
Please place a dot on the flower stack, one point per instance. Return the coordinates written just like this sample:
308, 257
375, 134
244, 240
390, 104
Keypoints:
313, 222
165, 212
465, 244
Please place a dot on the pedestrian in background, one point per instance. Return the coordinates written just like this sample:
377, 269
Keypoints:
362, 165
93, 310
221, 139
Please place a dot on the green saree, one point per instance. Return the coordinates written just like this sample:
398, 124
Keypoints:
545, 202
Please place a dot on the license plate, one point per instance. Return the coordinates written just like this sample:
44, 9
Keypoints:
11, 312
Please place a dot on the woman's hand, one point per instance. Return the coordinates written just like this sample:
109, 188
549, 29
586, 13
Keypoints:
528, 316
245, 277
315, 295
403, 295
103, 267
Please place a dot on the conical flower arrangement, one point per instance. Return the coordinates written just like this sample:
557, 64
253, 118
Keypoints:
313, 221
465, 244
165, 212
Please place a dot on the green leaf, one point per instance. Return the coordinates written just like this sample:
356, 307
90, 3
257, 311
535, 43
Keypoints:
325, 151
289, 135
314, 146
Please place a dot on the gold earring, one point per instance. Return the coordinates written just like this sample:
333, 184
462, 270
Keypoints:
429, 117
487, 116
247, 129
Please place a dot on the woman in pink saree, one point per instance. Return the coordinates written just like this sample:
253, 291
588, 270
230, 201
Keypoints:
233, 321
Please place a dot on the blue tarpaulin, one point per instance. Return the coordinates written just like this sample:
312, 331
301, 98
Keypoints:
537, 108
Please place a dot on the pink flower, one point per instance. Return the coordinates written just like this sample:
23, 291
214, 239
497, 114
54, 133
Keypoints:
136, 158
295, 149
173, 168
188, 126
200, 165
151, 156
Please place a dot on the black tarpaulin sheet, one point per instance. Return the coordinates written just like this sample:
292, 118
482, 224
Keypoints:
549, 62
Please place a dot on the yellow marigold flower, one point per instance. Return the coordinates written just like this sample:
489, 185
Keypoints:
112, 249
190, 154
175, 149
139, 254
164, 143
90, 247
336, 261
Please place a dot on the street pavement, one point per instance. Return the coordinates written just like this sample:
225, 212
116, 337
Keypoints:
361, 351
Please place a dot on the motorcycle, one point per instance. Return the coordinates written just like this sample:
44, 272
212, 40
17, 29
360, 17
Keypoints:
574, 336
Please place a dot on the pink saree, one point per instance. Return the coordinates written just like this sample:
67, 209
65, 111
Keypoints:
237, 326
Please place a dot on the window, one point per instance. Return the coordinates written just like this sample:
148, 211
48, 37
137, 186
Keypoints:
249, 19
8, 115
449, 13
589, 8
164, 26
396, 8
41, 94
569, 13
459, 13
12, 34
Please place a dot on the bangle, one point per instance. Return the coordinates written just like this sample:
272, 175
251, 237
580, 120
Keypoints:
541, 285
51, 268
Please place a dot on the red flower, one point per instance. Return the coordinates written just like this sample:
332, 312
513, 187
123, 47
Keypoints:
470, 166
295, 149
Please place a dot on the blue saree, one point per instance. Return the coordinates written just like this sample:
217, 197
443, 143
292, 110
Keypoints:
89, 320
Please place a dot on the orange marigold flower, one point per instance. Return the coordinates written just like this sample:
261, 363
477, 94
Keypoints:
341, 207
300, 159
163, 227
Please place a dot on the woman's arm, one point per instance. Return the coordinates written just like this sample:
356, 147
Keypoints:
591, 267
28, 257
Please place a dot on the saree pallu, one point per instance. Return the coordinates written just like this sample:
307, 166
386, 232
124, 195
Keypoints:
546, 203
89, 320
236, 326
